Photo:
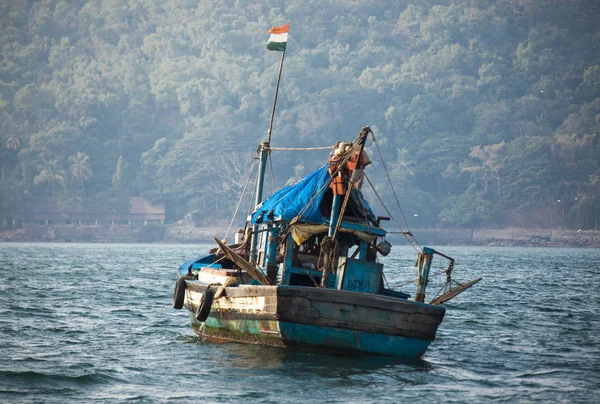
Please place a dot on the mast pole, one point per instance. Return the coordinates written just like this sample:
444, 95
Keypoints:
264, 151
275, 99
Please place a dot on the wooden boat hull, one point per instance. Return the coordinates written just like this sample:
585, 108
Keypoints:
327, 320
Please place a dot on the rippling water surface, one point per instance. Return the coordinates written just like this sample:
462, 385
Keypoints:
89, 322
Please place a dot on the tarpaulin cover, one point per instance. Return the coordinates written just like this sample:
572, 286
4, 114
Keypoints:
197, 263
302, 232
289, 201
305, 197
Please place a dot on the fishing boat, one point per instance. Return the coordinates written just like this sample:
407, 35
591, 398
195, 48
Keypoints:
305, 270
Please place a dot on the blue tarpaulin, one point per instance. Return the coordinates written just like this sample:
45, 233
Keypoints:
303, 197
197, 263
286, 203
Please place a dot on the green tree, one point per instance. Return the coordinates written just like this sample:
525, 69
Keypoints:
50, 173
120, 188
13, 143
80, 169
178, 89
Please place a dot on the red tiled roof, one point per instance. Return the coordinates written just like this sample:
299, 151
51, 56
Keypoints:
140, 206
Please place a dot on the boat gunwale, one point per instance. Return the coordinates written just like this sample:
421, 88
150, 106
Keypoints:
323, 294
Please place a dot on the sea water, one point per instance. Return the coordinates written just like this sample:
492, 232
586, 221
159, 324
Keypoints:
95, 323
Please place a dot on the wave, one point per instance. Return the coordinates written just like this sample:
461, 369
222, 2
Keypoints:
41, 379
538, 373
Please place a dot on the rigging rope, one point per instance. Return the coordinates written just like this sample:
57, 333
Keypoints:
389, 213
341, 164
292, 201
251, 204
241, 198
301, 148
272, 176
216, 262
323, 188
305, 208
393, 191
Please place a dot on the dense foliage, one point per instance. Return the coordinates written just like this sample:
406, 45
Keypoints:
487, 112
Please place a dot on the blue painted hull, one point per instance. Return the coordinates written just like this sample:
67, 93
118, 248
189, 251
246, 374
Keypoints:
313, 337
326, 320
343, 340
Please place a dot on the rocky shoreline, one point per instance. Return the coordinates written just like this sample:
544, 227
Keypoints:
191, 234
512, 236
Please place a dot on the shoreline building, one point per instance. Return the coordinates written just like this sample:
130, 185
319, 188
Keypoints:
140, 212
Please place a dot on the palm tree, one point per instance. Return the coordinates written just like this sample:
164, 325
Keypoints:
72, 204
79, 168
50, 173
13, 142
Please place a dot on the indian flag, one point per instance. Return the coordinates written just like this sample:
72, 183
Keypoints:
278, 38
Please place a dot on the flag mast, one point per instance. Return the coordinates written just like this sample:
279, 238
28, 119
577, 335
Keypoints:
275, 99
277, 42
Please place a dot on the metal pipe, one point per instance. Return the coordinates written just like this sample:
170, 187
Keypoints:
264, 152
275, 99
272, 254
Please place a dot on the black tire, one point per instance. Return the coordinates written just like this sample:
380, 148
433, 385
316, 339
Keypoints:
179, 294
205, 305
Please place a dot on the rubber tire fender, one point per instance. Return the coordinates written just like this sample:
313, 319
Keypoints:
179, 294
205, 304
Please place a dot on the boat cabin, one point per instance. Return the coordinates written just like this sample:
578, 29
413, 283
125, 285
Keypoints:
301, 257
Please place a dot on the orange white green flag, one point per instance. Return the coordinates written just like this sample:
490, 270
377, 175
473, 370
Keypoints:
278, 38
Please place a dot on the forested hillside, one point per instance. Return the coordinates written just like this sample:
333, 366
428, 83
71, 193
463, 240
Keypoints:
487, 112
